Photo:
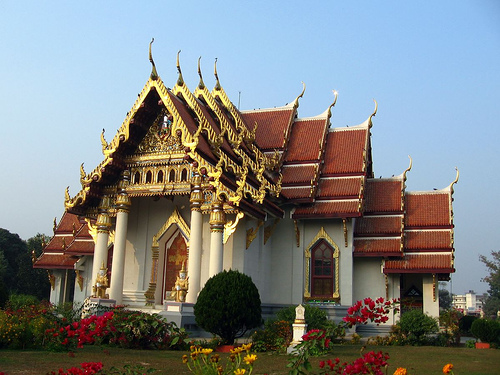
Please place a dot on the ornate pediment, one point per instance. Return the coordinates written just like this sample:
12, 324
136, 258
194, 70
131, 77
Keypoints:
159, 138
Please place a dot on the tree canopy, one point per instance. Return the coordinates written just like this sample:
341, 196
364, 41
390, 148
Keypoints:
17, 274
492, 304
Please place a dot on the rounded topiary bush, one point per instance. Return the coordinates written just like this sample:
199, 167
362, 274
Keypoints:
486, 330
228, 306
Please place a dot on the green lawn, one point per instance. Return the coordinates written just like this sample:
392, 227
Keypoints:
418, 360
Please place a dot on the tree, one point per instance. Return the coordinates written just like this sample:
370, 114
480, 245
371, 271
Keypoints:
17, 274
445, 298
492, 304
228, 306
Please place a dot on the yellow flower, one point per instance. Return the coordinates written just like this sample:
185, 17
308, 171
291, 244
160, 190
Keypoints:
206, 351
246, 347
447, 368
237, 350
185, 359
240, 371
249, 359
400, 371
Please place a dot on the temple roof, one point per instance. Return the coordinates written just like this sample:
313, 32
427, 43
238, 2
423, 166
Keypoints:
71, 240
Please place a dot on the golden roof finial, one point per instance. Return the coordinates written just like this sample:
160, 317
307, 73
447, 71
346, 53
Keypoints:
104, 144
296, 104
66, 194
201, 85
154, 73
336, 94
408, 169
180, 80
55, 225
455, 181
217, 83
373, 114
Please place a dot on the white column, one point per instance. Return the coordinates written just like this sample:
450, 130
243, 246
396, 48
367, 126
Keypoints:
217, 221
195, 240
101, 246
118, 268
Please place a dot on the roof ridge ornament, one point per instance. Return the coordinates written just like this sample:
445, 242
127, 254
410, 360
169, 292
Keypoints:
408, 169
296, 103
201, 84
217, 83
180, 80
336, 94
373, 114
154, 73
455, 181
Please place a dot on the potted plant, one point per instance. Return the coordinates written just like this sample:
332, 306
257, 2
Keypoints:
487, 331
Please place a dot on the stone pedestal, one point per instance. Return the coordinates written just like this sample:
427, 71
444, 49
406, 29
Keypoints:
181, 313
299, 328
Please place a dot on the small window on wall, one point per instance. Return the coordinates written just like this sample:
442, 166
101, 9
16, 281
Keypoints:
137, 178
323, 275
159, 177
184, 174
322, 269
171, 176
149, 177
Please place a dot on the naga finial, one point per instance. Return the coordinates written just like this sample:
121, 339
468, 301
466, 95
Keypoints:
180, 80
103, 141
373, 114
66, 194
217, 83
201, 85
408, 169
154, 73
296, 103
82, 174
336, 95
455, 181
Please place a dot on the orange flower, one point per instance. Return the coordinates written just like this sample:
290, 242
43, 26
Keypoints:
448, 368
400, 371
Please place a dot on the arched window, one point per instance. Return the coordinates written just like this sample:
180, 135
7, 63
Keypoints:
159, 177
323, 275
137, 178
149, 177
171, 176
322, 269
184, 174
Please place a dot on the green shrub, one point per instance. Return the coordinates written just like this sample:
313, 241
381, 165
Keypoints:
415, 326
228, 306
18, 301
486, 330
275, 336
465, 323
315, 317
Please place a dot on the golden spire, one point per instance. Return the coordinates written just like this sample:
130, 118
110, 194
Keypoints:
373, 114
336, 95
154, 73
217, 83
455, 181
408, 169
201, 85
180, 80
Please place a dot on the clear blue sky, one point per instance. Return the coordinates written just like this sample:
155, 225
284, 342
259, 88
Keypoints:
70, 69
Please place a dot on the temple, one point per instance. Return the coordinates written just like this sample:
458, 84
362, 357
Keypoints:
189, 180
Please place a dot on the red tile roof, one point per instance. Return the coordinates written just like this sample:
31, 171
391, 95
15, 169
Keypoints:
421, 263
306, 140
384, 195
345, 151
273, 124
428, 240
298, 174
296, 192
56, 261
378, 247
379, 225
325, 209
428, 209
347, 187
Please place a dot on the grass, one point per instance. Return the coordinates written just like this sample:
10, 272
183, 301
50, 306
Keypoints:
417, 360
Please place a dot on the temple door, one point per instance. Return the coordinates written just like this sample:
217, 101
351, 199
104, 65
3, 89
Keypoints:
175, 255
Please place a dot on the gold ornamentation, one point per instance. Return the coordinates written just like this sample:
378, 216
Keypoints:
252, 233
52, 279
241, 182
79, 279
386, 286
297, 232
434, 287
160, 138
269, 230
154, 73
344, 224
217, 216
181, 286
230, 227
101, 283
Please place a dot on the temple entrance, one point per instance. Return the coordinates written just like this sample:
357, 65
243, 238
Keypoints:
411, 293
175, 255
